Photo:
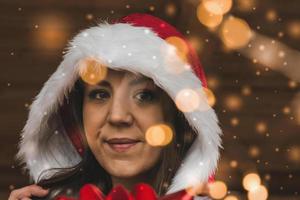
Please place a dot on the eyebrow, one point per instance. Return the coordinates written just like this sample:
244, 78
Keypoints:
104, 83
133, 82
139, 80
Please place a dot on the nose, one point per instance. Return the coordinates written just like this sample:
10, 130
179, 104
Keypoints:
120, 115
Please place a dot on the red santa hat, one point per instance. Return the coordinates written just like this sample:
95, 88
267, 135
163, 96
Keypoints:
138, 43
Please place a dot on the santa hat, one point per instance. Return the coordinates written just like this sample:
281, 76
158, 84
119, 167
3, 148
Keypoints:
136, 43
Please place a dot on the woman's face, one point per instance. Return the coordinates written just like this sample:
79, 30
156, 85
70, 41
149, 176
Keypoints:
116, 114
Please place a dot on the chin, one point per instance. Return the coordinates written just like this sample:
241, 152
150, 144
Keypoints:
125, 171
122, 168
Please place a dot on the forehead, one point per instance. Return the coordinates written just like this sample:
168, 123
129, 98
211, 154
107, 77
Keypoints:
122, 76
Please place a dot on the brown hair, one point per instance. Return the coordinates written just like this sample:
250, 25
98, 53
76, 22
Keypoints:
67, 181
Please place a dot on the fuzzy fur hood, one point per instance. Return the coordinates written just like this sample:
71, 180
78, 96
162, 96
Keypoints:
45, 143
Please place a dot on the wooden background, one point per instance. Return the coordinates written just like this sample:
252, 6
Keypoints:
30, 51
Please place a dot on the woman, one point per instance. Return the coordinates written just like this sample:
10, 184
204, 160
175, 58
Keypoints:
90, 121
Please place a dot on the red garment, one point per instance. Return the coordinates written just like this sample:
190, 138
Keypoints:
140, 192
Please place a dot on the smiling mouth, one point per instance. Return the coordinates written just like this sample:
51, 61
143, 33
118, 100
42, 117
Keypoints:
121, 144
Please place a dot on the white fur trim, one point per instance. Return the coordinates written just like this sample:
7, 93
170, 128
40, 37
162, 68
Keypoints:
144, 52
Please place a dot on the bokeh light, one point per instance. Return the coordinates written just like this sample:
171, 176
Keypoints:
170, 9
181, 46
246, 90
91, 71
234, 121
235, 33
294, 154
233, 163
217, 7
213, 82
196, 43
233, 102
251, 181
207, 18
89, 16
159, 135
51, 31
267, 177
261, 127
292, 84
293, 29
271, 15
254, 151
210, 97
231, 197
286, 110
217, 189
259, 193
246, 5
187, 100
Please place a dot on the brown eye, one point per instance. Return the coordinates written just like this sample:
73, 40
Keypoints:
99, 95
146, 96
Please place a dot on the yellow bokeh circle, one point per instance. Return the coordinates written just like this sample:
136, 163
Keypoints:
207, 18
92, 71
159, 135
251, 181
235, 33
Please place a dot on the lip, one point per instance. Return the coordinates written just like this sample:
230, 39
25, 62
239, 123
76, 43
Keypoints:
121, 144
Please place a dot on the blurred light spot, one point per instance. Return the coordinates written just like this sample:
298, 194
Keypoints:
217, 7
261, 127
251, 181
234, 121
267, 177
171, 9
210, 97
286, 110
52, 32
294, 153
187, 100
207, 18
292, 84
89, 16
217, 189
259, 193
261, 47
196, 43
213, 82
294, 29
246, 5
280, 34
246, 90
281, 54
233, 102
181, 46
231, 197
159, 135
254, 151
152, 8
235, 33
271, 15
91, 71
233, 163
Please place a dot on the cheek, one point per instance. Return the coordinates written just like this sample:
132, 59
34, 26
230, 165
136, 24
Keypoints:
148, 117
93, 120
